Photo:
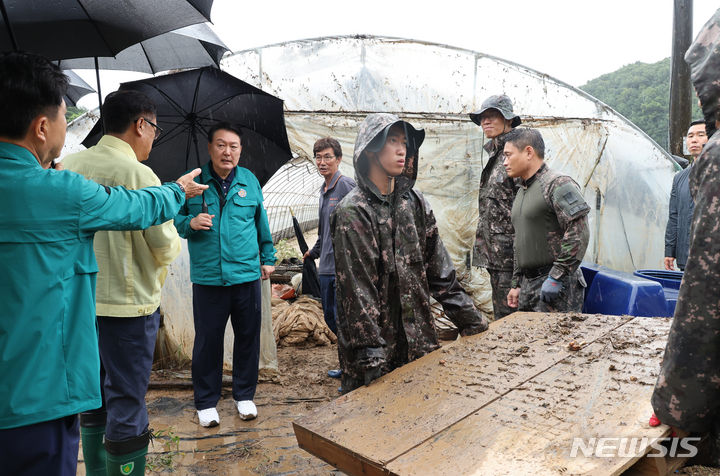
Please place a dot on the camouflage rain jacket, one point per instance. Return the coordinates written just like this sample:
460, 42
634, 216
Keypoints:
389, 260
687, 392
494, 236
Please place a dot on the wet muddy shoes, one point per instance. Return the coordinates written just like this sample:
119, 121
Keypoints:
246, 409
208, 417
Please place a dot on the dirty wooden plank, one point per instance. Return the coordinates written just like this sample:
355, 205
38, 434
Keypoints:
600, 391
412, 404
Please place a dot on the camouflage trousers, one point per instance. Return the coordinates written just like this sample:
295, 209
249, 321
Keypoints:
500, 282
571, 297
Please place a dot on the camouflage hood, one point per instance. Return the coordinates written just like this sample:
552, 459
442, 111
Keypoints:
373, 132
703, 57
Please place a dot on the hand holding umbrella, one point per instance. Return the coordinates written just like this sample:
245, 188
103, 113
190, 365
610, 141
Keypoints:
310, 279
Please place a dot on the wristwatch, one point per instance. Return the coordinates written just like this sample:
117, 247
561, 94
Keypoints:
182, 189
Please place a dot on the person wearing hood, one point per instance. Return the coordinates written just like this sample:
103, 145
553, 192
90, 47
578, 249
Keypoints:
687, 392
389, 259
495, 233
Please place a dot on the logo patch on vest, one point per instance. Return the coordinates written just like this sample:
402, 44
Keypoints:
242, 193
127, 468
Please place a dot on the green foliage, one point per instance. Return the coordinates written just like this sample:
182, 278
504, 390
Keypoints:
164, 461
641, 93
73, 113
285, 250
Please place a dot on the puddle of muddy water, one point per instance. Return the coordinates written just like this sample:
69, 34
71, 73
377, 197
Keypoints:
265, 446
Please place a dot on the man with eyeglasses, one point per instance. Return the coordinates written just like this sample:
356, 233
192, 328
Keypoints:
132, 268
328, 155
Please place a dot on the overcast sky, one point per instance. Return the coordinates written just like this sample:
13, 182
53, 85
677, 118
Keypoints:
571, 40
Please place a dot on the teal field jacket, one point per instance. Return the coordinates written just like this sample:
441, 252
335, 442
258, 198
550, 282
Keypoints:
49, 361
239, 241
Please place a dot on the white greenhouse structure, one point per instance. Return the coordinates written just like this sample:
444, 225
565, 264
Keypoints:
330, 84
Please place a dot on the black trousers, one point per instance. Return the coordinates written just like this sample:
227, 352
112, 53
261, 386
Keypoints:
49, 448
212, 305
126, 346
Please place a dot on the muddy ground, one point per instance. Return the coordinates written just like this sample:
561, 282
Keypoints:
264, 446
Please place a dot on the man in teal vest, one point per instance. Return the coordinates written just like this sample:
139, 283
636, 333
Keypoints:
231, 249
549, 215
49, 363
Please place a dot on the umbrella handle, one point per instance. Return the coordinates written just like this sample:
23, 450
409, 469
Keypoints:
204, 205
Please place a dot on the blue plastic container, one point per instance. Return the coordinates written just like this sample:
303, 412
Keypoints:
619, 293
670, 282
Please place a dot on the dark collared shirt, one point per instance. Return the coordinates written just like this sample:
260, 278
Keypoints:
223, 182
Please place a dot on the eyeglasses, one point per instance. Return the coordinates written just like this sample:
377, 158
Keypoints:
323, 158
158, 129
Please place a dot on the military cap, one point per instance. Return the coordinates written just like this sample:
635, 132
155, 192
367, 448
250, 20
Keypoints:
503, 104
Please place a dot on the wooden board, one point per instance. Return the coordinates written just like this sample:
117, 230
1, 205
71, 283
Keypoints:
502, 402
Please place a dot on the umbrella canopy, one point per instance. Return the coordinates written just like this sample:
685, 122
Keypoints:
193, 46
310, 278
190, 102
82, 28
77, 88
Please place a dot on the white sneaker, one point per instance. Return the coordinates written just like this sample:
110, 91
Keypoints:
246, 409
208, 417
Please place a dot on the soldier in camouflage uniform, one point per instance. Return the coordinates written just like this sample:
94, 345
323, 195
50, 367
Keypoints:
494, 236
389, 259
687, 392
551, 230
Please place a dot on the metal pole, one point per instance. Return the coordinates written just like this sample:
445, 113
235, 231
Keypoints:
10, 32
97, 78
680, 88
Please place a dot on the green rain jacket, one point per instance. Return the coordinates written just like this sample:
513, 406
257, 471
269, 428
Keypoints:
239, 241
49, 362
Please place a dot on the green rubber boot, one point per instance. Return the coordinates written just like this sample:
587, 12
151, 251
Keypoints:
93, 450
127, 457
92, 431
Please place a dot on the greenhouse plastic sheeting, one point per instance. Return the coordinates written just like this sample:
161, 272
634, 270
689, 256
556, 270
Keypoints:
330, 84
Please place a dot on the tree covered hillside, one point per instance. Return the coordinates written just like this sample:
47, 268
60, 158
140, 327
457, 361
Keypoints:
640, 92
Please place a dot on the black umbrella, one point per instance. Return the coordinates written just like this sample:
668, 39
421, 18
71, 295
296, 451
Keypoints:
61, 29
193, 46
190, 102
77, 88
310, 278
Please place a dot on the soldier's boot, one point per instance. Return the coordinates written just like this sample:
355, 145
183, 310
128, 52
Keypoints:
127, 457
92, 432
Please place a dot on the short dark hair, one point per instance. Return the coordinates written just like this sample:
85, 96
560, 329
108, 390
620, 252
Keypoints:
30, 85
524, 136
327, 143
224, 126
696, 122
122, 108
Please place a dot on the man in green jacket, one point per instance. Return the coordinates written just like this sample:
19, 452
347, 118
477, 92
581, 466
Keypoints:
132, 268
230, 248
49, 363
